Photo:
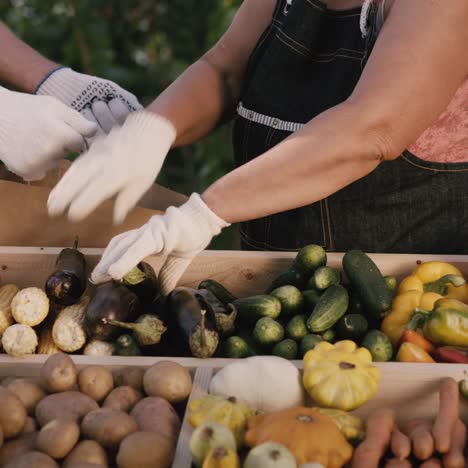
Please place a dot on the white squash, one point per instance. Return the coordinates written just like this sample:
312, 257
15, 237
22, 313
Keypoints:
270, 455
264, 383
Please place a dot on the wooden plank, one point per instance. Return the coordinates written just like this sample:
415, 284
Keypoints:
244, 273
201, 382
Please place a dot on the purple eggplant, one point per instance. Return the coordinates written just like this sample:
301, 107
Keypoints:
142, 280
111, 301
197, 328
66, 285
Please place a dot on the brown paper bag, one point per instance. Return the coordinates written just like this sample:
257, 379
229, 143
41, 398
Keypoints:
25, 222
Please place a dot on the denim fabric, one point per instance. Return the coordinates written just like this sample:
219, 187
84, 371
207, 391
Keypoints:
308, 60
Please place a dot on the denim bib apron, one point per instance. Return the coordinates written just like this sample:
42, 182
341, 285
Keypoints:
308, 60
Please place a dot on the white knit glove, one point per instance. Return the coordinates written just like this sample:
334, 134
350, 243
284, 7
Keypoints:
124, 163
36, 132
101, 101
180, 234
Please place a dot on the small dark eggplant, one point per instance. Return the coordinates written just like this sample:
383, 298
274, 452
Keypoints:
111, 301
126, 345
147, 329
142, 280
198, 329
225, 296
223, 315
66, 285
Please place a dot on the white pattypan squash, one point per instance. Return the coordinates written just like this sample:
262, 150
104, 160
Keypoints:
264, 383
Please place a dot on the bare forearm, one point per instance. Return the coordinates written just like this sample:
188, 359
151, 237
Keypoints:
196, 101
326, 155
20, 65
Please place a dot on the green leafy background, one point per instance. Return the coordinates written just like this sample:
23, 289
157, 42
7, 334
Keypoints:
143, 45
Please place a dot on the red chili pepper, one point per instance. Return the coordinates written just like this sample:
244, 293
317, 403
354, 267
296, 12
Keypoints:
451, 354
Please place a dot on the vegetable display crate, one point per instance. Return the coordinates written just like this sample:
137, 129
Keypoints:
409, 388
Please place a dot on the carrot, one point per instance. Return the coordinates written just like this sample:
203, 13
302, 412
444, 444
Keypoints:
411, 336
380, 424
397, 463
419, 431
400, 444
455, 458
432, 463
447, 415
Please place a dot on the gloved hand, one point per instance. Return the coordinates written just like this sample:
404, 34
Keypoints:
125, 163
180, 234
36, 132
101, 101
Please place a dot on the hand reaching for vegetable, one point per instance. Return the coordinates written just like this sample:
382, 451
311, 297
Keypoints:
438, 444
180, 234
124, 163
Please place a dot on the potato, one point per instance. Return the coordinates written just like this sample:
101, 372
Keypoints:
132, 376
7, 380
168, 380
108, 427
96, 382
29, 426
86, 452
58, 437
58, 373
33, 460
153, 414
12, 413
86, 465
146, 450
67, 405
16, 447
28, 392
122, 398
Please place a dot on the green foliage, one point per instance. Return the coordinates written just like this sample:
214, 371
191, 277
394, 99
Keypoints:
143, 45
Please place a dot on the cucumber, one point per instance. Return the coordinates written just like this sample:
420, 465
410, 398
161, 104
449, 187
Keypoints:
329, 335
218, 290
368, 282
291, 299
391, 282
355, 304
331, 306
286, 349
309, 258
236, 347
290, 277
268, 331
311, 298
323, 278
352, 327
296, 328
250, 309
379, 345
309, 342
254, 347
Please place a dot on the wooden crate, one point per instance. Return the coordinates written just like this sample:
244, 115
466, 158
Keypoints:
411, 388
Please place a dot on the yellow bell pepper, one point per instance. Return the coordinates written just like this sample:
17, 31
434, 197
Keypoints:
403, 307
340, 376
409, 352
438, 277
447, 324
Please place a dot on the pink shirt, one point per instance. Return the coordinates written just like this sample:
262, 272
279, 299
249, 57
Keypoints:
446, 140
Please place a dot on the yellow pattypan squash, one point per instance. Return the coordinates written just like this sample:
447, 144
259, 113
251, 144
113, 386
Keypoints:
350, 425
308, 434
340, 376
227, 411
